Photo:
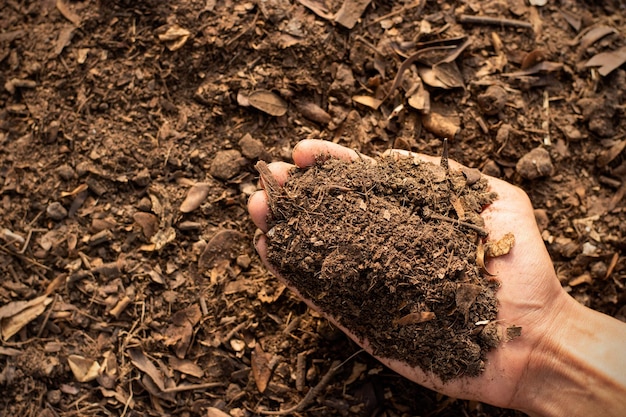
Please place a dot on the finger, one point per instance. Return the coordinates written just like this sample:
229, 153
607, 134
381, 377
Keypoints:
400, 153
259, 209
308, 151
280, 171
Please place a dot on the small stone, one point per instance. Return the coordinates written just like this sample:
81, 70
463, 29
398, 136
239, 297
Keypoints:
493, 100
142, 178
244, 261
252, 148
148, 222
491, 168
66, 172
535, 164
599, 270
56, 211
54, 396
195, 196
226, 164
144, 204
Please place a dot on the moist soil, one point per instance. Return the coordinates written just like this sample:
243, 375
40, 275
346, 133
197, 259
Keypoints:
129, 131
367, 243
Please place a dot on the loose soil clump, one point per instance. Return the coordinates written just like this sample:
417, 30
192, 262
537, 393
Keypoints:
390, 251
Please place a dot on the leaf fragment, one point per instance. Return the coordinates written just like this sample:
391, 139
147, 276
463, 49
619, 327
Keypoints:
371, 102
608, 61
84, 369
268, 102
415, 318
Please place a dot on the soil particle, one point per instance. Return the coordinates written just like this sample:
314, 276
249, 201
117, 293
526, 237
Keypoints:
252, 148
56, 211
381, 248
493, 100
226, 164
535, 164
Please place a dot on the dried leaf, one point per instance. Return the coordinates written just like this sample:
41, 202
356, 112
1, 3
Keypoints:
261, 369
533, 58
608, 61
161, 238
544, 66
68, 13
195, 196
595, 34
610, 154
500, 247
480, 258
350, 12
175, 37
318, 8
420, 99
84, 369
186, 367
458, 207
141, 362
575, 21
371, 102
268, 102
415, 318
65, 37
17, 314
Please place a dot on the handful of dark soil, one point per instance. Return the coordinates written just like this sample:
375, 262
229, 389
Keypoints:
390, 251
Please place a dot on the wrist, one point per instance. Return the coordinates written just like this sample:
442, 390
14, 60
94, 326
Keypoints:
576, 367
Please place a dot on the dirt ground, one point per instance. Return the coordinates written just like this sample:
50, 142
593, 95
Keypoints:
128, 137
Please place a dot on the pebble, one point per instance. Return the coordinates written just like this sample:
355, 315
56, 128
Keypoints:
252, 148
66, 172
195, 196
493, 100
56, 211
142, 178
535, 164
144, 204
226, 164
491, 168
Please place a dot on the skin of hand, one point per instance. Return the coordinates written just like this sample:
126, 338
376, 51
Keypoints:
530, 296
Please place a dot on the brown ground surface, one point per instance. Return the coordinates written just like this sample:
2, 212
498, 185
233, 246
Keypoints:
128, 137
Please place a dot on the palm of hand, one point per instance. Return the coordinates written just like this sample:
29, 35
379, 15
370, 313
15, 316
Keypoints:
529, 294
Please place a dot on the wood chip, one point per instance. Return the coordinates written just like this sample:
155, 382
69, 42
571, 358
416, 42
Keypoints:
68, 13
415, 318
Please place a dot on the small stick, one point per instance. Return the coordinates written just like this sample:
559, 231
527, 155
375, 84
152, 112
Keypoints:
444, 155
496, 21
193, 387
310, 396
478, 229
270, 184
418, 3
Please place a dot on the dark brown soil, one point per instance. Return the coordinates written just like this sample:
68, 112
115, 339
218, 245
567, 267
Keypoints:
128, 139
369, 245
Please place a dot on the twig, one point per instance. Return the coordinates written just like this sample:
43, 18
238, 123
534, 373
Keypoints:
496, 21
418, 3
478, 229
47, 317
310, 396
444, 155
192, 387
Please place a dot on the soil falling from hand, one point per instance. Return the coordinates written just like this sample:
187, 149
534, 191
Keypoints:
389, 251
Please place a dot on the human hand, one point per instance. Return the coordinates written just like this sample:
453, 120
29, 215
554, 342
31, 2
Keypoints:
530, 295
